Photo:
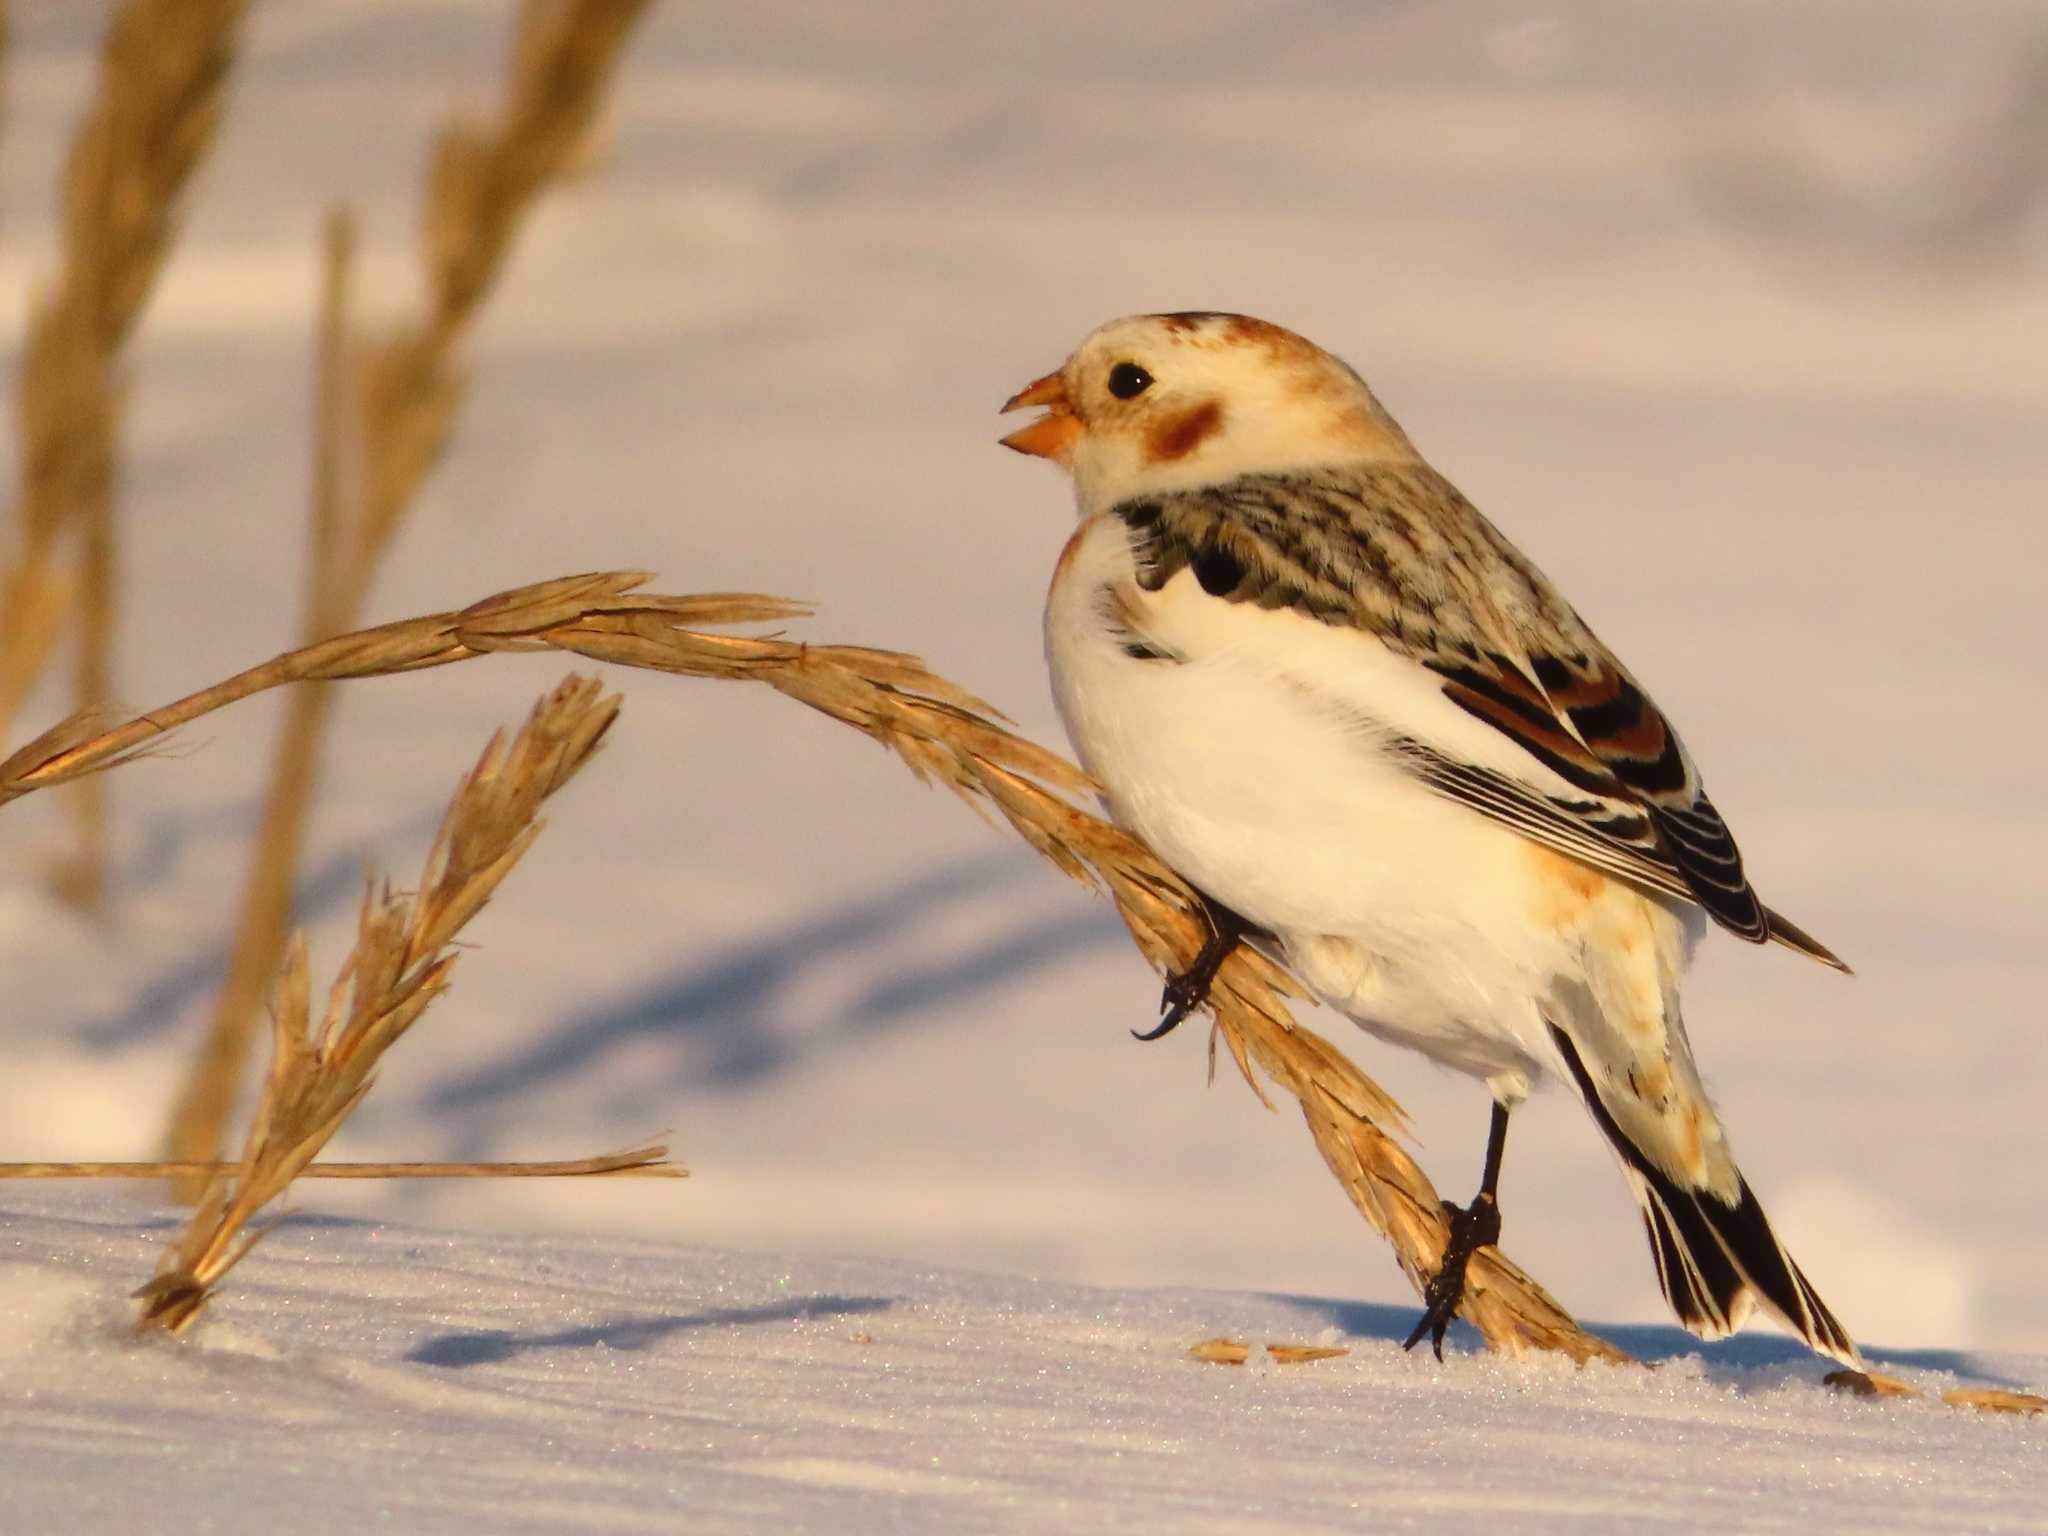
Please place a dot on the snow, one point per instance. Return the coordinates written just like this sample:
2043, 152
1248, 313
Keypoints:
1665, 289
367, 1373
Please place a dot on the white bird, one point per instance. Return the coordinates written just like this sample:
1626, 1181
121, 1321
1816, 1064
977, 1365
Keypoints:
1328, 692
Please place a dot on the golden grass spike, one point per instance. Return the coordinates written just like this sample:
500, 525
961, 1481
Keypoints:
407, 392
73, 748
484, 175
163, 71
400, 963
482, 180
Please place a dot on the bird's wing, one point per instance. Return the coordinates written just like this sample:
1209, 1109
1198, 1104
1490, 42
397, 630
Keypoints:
1591, 767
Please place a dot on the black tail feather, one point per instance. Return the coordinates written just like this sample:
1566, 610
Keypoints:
1714, 1261
1792, 936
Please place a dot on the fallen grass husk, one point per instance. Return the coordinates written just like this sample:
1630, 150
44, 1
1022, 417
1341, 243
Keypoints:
1876, 1385
945, 734
400, 964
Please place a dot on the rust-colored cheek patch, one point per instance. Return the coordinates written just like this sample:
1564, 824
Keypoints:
1180, 435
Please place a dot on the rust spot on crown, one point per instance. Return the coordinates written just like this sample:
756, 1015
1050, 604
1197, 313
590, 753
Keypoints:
1264, 333
1242, 330
1180, 435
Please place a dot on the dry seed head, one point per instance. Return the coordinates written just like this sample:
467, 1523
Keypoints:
399, 965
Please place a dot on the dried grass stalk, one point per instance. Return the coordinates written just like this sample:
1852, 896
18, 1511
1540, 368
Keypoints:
942, 733
483, 179
163, 72
80, 877
400, 964
641, 1162
213, 1082
327, 546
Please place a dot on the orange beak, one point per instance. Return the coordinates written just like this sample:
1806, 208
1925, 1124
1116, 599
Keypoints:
1052, 435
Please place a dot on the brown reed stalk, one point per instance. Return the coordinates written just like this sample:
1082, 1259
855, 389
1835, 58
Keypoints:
207, 1101
327, 529
163, 74
942, 733
400, 964
649, 1162
5, 38
482, 180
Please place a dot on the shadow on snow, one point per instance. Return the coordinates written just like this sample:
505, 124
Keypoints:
492, 1345
160, 1003
728, 1014
1748, 1360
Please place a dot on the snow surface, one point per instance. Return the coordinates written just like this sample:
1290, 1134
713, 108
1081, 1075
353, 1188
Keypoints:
372, 1375
1715, 309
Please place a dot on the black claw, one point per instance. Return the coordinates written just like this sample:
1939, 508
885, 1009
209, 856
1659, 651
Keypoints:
1473, 1227
1190, 989
1163, 1028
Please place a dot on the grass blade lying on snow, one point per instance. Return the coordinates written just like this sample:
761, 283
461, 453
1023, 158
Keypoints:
651, 1161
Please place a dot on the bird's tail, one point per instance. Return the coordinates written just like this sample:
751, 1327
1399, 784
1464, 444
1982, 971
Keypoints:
1715, 1261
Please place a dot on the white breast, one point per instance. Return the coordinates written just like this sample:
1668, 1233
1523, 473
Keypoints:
1254, 763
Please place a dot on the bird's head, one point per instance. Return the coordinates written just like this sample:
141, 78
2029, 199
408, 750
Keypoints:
1161, 402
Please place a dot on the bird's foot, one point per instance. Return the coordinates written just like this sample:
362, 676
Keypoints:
1473, 1227
1190, 989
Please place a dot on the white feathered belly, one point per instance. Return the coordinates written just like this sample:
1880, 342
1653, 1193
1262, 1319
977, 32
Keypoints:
1418, 918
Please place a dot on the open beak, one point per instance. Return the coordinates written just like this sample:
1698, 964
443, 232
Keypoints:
1052, 435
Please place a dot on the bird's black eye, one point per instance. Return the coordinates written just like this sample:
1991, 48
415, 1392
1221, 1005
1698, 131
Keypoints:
1127, 381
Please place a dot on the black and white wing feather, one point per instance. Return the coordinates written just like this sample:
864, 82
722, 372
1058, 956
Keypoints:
1397, 552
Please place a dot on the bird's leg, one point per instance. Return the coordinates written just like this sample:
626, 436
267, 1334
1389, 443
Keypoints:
1190, 989
1472, 1227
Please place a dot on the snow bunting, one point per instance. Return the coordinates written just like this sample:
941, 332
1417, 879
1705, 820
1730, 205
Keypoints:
1327, 690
